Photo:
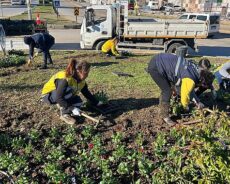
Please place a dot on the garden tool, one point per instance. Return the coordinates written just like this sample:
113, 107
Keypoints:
29, 62
91, 118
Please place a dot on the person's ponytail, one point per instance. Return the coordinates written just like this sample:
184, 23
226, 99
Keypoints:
70, 69
75, 65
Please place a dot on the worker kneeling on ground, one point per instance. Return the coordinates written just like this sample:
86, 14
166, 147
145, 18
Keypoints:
109, 47
222, 75
63, 89
43, 42
169, 70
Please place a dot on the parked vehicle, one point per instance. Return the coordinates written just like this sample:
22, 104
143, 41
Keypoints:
172, 8
103, 22
146, 9
153, 5
131, 4
213, 20
18, 2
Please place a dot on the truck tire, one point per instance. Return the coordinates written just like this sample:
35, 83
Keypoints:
172, 48
99, 45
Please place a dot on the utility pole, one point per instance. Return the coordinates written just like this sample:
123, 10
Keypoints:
29, 10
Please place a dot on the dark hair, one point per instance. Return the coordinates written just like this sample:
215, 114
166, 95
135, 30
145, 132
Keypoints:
204, 64
206, 78
28, 40
76, 65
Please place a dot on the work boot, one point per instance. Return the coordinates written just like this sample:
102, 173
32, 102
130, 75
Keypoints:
169, 121
43, 67
68, 119
164, 112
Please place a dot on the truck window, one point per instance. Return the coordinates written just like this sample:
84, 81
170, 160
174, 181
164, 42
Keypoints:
99, 16
192, 17
201, 17
184, 17
214, 19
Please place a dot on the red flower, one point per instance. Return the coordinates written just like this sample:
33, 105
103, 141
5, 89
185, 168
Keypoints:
141, 149
90, 145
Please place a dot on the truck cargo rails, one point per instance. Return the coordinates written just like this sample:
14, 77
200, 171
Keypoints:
103, 22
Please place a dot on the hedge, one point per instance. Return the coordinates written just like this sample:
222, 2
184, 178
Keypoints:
18, 27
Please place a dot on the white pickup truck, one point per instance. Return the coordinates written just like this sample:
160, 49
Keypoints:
102, 22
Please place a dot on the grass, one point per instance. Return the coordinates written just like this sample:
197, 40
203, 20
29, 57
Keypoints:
46, 13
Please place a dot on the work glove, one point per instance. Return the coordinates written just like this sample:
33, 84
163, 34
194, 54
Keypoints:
29, 62
214, 94
200, 105
76, 111
100, 103
36, 54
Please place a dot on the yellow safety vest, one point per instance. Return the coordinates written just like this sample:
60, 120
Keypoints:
50, 85
109, 45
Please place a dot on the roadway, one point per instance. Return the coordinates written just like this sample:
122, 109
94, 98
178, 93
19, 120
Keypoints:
12, 10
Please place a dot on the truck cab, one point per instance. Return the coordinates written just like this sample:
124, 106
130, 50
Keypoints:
99, 24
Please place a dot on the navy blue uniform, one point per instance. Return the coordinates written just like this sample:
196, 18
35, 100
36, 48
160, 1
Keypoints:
43, 42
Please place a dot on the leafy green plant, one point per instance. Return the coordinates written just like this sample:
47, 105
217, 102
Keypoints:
101, 96
34, 135
5, 141
16, 52
12, 60
69, 137
176, 106
56, 153
18, 142
55, 173
88, 132
54, 133
12, 163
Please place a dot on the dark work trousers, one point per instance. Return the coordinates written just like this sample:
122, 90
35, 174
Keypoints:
200, 90
162, 83
46, 55
72, 100
109, 53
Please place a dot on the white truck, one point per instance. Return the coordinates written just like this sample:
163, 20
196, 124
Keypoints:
103, 22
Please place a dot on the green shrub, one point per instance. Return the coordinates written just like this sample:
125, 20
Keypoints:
17, 27
16, 52
12, 60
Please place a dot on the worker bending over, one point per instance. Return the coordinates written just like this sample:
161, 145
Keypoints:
43, 42
169, 70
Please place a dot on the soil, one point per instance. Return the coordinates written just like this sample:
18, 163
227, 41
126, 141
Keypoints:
21, 111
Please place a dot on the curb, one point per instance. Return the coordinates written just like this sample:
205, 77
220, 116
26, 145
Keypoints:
68, 26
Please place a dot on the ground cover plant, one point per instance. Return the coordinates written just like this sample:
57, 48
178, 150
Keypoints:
12, 60
136, 147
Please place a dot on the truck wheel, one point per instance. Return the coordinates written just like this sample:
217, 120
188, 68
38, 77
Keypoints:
99, 45
172, 48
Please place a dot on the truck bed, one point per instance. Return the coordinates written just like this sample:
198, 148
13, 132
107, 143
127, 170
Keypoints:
166, 29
